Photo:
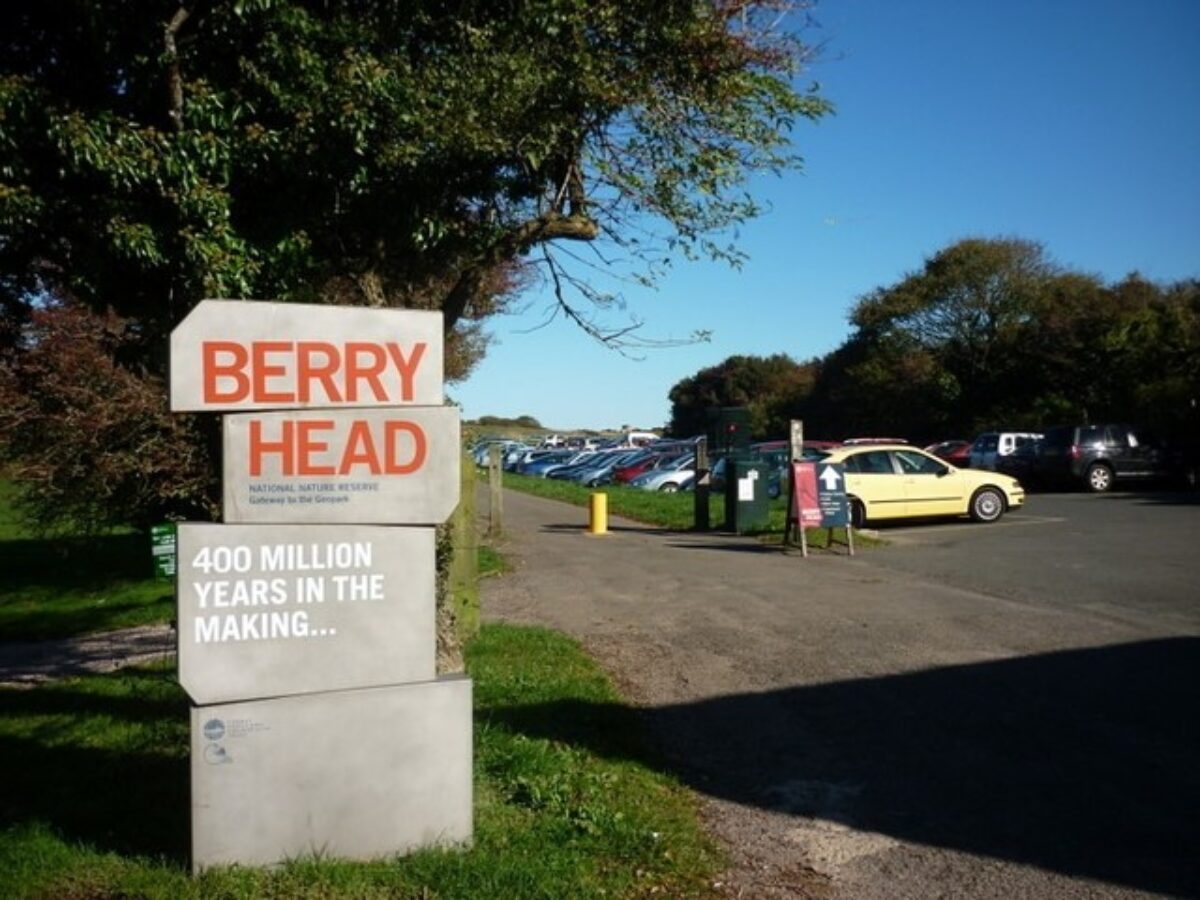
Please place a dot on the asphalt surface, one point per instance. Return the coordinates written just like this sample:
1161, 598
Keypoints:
971, 711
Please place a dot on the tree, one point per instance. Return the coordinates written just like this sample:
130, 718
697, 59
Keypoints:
767, 386
378, 153
94, 437
966, 310
419, 154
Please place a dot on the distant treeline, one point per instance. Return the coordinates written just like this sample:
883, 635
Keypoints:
988, 333
502, 422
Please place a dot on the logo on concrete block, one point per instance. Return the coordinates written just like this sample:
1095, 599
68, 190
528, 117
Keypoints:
214, 729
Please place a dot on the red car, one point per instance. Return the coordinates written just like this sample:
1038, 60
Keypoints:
623, 474
957, 453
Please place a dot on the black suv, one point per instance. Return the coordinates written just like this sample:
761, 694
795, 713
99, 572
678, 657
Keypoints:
1100, 455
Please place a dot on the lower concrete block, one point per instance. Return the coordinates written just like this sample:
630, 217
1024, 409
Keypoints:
345, 774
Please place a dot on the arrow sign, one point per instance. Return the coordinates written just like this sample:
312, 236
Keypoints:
831, 499
819, 500
830, 478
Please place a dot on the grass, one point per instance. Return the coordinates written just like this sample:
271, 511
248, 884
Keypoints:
491, 562
674, 511
564, 806
71, 585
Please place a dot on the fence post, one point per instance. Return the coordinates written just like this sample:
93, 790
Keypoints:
496, 506
702, 486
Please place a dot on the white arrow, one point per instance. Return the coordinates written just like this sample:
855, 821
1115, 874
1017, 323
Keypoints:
831, 478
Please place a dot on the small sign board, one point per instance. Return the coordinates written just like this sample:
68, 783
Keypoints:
377, 466
819, 497
162, 551
229, 355
805, 504
294, 609
831, 495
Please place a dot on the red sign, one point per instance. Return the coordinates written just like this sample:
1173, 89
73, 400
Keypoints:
806, 506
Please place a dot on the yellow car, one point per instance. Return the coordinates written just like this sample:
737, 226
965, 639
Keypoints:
896, 481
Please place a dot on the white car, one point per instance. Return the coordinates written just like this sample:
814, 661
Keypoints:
991, 445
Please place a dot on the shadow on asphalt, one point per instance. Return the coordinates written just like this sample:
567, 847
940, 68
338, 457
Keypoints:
631, 529
731, 546
1081, 762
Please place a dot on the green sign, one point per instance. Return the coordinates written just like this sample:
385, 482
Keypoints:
162, 549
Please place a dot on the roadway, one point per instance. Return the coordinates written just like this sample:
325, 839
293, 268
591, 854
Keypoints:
997, 710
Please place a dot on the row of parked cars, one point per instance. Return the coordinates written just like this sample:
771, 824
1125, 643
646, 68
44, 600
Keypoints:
643, 461
888, 479
1096, 457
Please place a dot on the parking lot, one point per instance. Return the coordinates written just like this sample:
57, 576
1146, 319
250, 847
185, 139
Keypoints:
1129, 555
1005, 710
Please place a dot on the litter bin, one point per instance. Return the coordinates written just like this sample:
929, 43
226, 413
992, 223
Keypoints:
747, 504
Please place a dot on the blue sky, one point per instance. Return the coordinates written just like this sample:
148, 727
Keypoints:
1071, 123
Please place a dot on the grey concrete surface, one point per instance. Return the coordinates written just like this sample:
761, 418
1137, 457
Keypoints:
973, 711
274, 610
343, 774
392, 466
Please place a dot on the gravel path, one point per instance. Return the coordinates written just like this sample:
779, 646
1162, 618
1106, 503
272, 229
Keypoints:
30, 663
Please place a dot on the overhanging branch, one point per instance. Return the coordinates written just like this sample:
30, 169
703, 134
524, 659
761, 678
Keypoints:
551, 226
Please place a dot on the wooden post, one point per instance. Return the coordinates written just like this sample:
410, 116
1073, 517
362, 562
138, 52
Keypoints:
702, 488
796, 454
495, 485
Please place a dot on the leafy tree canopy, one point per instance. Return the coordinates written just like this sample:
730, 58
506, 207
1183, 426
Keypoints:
765, 385
412, 154
987, 333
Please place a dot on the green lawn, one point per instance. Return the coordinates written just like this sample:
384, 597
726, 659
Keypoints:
70, 585
96, 794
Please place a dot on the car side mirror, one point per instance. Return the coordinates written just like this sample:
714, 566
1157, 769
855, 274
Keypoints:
942, 473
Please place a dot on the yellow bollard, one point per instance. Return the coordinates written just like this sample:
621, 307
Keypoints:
598, 514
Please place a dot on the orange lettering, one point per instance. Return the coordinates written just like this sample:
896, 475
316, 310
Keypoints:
369, 371
392, 431
260, 447
307, 370
307, 446
214, 369
262, 371
360, 448
406, 367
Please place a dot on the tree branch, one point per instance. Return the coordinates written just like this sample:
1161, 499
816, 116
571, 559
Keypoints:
550, 226
174, 75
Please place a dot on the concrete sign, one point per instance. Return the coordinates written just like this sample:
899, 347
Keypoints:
293, 609
239, 355
349, 774
398, 466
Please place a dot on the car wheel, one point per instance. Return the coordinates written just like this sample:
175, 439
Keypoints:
669, 488
1099, 478
987, 505
858, 513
